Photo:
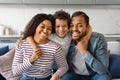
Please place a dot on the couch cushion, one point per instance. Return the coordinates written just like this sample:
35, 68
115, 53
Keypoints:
114, 47
4, 49
115, 65
6, 65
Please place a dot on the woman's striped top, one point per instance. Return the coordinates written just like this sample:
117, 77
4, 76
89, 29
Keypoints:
42, 67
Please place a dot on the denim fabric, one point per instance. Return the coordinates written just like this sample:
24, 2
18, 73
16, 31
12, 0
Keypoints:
73, 76
31, 78
96, 58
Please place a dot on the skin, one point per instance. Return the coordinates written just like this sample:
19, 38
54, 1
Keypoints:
61, 28
81, 33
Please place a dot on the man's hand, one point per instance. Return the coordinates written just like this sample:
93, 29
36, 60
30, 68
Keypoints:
83, 44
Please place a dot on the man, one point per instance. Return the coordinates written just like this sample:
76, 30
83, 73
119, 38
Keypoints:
87, 57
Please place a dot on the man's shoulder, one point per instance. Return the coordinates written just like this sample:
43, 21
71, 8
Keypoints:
97, 35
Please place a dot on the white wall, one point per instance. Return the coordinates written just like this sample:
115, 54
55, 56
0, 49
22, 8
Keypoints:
103, 18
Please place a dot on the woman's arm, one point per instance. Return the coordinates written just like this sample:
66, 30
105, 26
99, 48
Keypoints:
21, 64
18, 65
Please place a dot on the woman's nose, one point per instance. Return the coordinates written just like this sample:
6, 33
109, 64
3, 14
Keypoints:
45, 30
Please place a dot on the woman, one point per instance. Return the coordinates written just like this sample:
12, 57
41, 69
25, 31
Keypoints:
38, 64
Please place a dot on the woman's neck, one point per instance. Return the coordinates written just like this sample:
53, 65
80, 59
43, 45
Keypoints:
40, 41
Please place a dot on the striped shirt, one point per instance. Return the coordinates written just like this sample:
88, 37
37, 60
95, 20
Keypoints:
42, 67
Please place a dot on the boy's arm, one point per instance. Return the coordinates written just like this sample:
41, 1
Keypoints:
19, 42
32, 43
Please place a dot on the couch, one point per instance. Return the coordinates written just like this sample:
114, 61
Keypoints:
114, 64
6, 58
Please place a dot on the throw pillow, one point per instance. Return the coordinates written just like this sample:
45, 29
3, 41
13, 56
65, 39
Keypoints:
114, 65
6, 65
3, 50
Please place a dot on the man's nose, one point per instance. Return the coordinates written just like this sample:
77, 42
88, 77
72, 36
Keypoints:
74, 27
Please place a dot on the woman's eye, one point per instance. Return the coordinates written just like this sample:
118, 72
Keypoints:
41, 26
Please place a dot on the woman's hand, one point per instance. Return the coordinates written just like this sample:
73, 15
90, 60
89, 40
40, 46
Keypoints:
37, 53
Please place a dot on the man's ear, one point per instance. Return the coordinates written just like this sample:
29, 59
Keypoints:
89, 29
89, 32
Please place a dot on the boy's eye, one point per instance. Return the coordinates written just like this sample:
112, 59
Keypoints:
57, 26
64, 26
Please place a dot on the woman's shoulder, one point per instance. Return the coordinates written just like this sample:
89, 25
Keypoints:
55, 46
53, 43
24, 42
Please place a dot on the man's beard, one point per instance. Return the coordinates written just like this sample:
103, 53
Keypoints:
82, 36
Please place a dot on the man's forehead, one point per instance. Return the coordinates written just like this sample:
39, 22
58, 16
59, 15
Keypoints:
78, 19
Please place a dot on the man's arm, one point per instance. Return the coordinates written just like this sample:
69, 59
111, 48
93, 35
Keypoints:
98, 62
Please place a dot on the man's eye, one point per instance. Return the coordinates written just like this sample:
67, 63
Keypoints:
79, 25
